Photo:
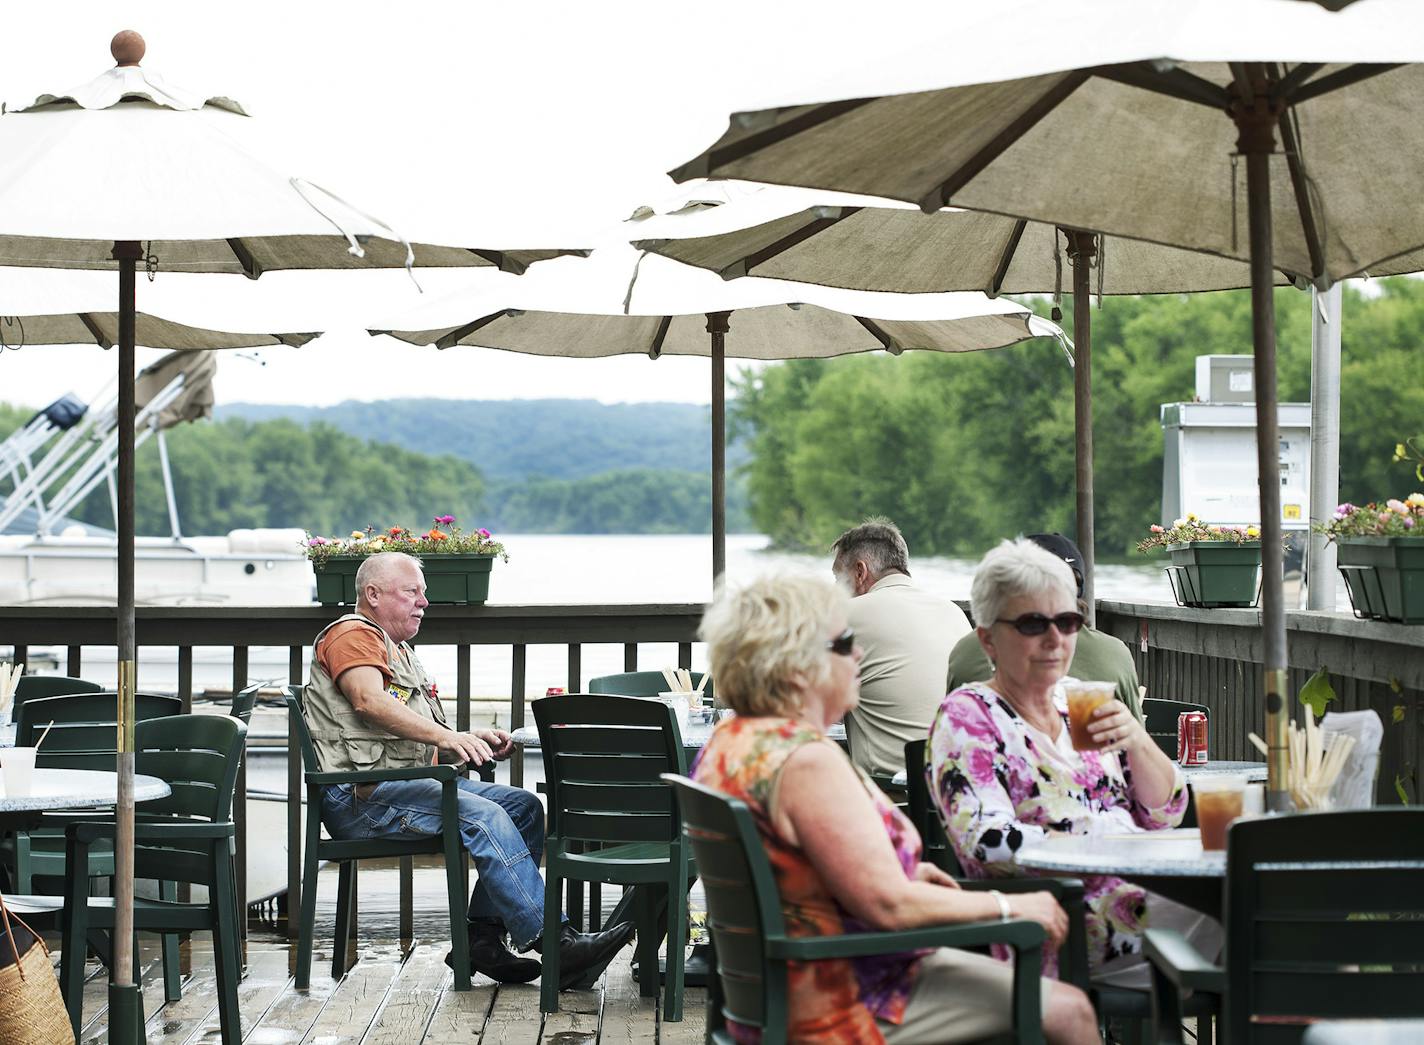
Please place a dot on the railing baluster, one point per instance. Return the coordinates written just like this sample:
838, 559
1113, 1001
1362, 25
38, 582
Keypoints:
630, 656
295, 789
185, 678
516, 709
21, 656
575, 683
239, 799
72, 663
462, 687
684, 655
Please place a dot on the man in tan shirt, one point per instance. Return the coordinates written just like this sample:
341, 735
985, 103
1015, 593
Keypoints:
906, 634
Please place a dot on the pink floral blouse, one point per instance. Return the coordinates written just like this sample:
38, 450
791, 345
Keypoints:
1001, 784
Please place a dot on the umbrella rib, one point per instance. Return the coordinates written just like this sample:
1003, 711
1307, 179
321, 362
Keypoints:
1174, 83
655, 350
1351, 74
886, 341
500, 260
460, 333
1291, 81
250, 268
1295, 163
745, 265
703, 165
1020, 126
1006, 258
94, 331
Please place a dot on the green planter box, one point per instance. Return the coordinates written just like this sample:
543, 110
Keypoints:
1212, 574
454, 580
1385, 577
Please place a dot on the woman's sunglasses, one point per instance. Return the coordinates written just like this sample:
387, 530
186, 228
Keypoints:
843, 644
1037, 623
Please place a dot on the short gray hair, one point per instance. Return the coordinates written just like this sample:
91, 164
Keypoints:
878, 541
1013, 569
760, 636
376, 568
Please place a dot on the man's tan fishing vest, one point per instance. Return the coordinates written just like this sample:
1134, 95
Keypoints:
344, 740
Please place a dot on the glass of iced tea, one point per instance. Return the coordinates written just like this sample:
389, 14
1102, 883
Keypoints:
1219, 801
1083, 699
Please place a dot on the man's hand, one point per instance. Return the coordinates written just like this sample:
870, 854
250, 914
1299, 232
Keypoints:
927, 872
501, 743
466, 747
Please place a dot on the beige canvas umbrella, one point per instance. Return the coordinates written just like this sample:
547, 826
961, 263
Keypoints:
129, 170
1271, 131
614, 303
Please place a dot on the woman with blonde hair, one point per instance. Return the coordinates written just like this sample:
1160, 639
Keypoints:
844, 858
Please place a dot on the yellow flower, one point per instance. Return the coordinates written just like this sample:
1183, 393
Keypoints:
1179, 522
1416, 499
358, 535
1253, 531
1400, 453
1192, 517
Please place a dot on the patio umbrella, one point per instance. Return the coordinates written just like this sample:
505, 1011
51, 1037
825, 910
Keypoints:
1130, 118
128, 170
617, 303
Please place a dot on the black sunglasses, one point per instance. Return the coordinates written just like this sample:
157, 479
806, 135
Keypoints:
1037, 623
843, 644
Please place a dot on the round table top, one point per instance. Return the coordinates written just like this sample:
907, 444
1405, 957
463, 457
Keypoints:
696, 735
1254, 772
79, 789
1174, 853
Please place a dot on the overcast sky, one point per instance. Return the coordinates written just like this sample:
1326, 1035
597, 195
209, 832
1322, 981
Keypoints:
485, 124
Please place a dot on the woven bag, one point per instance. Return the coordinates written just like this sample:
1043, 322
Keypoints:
31, 1009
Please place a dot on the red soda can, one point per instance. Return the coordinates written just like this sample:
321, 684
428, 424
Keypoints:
1191, 738
554, 691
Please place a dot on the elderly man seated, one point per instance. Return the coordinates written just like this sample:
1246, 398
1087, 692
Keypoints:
370, 704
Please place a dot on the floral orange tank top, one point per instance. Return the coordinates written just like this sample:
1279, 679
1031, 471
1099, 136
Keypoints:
835, 1001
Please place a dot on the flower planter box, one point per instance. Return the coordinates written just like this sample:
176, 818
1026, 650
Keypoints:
453, 580
1212, 574
1384, 576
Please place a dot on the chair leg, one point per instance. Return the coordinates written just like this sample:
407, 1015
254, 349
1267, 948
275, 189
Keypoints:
459, 902
75, 922
646, 915
345, 888
227, 950
307, 928
172, 985
549, 977
676, 952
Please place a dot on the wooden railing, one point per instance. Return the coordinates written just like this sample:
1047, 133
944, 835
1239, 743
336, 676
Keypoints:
1213, 657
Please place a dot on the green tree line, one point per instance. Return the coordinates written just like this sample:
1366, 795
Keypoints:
966, 449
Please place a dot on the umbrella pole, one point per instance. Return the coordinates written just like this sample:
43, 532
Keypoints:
1082, 248
1256, 115
1320, 558
125, 1003
717, 326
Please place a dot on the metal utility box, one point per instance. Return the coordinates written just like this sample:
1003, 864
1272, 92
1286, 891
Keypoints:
1209, 458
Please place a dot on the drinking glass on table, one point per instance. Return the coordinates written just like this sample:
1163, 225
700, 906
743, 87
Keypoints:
1219, 801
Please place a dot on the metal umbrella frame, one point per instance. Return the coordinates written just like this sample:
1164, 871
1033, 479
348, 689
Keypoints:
658, 308
174, 190
1092, 101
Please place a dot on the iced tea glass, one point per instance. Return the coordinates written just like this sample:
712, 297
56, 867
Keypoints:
1083, 699
1219, 801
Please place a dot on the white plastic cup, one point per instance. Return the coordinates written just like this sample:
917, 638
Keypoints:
18, 767
681, 706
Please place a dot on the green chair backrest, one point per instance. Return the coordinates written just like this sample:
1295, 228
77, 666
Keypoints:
1324, 920
923, 813
84, 734
32, 687
297, 720
243, 702
1160, 719
198, 756
743, 903
604, 757
639, 684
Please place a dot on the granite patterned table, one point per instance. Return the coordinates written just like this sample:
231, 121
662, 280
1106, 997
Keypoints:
1171, 863
70, 789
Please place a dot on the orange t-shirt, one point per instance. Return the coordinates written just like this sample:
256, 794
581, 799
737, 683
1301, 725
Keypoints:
353, 644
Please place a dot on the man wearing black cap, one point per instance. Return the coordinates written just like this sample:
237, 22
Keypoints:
1097, 658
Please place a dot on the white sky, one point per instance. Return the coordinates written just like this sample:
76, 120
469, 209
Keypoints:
483, 124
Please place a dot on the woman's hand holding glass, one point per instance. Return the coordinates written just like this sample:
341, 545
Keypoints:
1114, 729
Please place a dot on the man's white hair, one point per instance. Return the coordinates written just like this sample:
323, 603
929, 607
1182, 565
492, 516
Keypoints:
377, 569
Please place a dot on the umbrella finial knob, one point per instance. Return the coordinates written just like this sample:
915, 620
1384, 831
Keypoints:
127, 47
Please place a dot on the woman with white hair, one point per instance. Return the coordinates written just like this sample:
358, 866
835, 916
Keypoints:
1004, 772
844, 858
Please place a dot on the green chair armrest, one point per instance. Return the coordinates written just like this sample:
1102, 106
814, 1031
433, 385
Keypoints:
1070, 889
157, 832
1181, 963
442, 773
1015, 933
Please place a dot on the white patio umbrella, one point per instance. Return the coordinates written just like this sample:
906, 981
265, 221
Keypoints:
616, 303
1130, 117
127, 170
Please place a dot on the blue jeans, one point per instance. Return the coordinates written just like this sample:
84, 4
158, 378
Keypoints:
502, 827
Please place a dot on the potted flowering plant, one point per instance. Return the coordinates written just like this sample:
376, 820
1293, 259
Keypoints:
456, 562
1381, 556
1212, 565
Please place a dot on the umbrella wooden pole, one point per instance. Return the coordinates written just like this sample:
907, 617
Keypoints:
124, 1003
1082, 248
717, 326
1255, 117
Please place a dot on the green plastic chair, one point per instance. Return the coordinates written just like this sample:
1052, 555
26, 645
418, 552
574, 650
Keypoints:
346, 852
185, 837
923, 813
1160, 718
640, 684
33, 687
752, 945
1324, 920
604, 760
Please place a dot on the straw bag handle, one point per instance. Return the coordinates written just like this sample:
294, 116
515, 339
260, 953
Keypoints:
5, 917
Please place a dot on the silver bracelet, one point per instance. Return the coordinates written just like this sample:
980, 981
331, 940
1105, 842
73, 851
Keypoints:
1004, 913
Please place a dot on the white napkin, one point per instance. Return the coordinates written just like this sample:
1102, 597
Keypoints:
1355, 786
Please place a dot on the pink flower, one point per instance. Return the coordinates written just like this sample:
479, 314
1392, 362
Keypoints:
315, 541
1156, 529
444, 520
484, 532
1384, 516
1409, 522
